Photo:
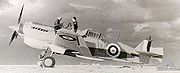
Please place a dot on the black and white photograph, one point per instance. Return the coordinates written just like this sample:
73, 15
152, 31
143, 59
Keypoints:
89, 36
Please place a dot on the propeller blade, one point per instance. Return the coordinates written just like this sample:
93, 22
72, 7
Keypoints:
14, 35
20, 15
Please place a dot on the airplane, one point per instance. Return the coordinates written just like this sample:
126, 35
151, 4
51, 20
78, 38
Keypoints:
85, 44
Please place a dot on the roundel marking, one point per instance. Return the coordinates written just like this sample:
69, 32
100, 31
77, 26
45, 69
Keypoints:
67, 37
113, 50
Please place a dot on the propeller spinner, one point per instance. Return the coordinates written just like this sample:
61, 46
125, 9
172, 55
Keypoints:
15, 34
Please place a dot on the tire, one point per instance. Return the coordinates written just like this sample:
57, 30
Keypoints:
49, 62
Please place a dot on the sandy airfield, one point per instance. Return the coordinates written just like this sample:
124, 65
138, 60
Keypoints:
81, 69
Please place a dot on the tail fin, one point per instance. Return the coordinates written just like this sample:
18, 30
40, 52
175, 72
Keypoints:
143, 49
145, 45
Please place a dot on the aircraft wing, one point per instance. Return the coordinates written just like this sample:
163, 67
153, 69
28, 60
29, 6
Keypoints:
106, 58
71, 41
90, 58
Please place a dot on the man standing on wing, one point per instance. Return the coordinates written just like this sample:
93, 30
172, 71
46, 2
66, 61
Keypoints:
58, 24
75, 24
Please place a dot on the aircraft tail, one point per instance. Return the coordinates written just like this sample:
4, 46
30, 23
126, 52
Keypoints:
145, 45
144, 49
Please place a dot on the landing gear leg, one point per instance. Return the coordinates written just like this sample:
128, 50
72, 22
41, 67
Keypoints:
46, 59
41, 57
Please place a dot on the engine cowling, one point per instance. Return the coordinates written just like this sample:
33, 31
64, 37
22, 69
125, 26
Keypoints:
113, 50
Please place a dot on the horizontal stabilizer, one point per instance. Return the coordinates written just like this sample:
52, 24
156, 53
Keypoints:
145, 56
154, 52
158, 50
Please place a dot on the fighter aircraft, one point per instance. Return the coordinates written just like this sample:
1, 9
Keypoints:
88, 45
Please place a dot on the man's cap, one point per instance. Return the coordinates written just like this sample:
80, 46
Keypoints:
59, 18
74, 18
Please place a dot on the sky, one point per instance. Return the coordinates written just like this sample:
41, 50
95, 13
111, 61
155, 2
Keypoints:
133, 20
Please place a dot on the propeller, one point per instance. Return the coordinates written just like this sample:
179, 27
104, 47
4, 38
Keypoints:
15, 34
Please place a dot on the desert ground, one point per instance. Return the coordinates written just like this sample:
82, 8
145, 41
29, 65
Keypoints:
94, 68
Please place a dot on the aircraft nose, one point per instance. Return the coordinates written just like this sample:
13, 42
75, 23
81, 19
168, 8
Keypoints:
14, 27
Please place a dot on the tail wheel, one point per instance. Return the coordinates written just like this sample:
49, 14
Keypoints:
49, 62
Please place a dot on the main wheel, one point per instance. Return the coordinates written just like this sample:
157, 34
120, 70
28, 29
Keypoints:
49, 62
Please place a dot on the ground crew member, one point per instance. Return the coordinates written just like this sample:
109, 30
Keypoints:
58, 24
75, 24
